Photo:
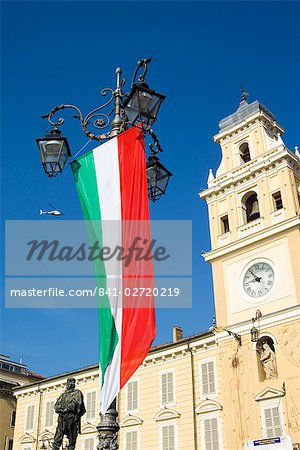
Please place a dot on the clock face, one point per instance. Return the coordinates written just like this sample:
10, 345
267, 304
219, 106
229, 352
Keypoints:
258, 279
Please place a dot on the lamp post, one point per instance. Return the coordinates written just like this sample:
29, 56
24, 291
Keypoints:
138, 108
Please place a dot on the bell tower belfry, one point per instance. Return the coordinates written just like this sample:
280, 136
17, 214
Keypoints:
253, 204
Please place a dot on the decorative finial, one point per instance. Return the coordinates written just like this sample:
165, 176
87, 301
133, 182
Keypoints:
210, 176
244, 94
279, 139
297, 153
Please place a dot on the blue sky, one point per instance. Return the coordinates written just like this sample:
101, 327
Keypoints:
66, 52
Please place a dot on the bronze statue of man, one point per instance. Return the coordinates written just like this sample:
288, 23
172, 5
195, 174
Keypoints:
70, 408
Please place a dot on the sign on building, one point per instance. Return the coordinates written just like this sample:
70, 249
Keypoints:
275, 443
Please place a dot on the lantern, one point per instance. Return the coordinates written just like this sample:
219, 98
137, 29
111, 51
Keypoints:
54, 150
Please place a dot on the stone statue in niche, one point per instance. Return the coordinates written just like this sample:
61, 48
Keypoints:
268, 361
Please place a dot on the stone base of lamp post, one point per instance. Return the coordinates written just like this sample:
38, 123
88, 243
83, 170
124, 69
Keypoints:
108, 428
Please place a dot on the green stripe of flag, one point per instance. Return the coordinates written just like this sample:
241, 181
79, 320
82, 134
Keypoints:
86, 184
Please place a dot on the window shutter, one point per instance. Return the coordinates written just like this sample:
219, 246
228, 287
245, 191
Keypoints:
170, 387
132, 396
168, 437
273, 423
131, 440
49, 414
89, 444
164, 398
204, 379
208, 378
211, 434
91, 405
211, 377
167, 387
29, 418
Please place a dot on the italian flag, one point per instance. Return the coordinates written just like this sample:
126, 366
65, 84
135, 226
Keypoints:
112, 189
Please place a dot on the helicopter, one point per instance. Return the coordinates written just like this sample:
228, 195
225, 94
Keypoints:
53, 212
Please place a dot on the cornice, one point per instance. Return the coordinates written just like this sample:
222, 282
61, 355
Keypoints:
273, 319
259, 117
273, 160
56, 384
293, 222
182, 351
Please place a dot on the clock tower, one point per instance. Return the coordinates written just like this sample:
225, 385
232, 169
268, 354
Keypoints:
253, 204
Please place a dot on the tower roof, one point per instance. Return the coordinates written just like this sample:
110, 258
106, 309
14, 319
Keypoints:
244, 111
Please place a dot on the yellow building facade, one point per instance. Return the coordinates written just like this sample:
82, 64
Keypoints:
12, 374
235, 386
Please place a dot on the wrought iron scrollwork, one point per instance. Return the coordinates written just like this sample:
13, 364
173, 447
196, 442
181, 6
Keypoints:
155, 147
99, 120
143, 63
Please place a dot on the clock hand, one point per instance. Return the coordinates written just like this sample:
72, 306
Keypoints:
255, 277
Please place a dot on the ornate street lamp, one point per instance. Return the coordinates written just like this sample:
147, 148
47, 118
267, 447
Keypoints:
142, 104
139, 108
157, 178
254, 332
157, 174
54, 150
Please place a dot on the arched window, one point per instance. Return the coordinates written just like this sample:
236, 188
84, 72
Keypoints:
244, 152
250, 207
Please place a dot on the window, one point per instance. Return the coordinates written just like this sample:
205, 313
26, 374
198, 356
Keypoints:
29, 418
250, 207
89, 444
131, 440
132, 396
168, 437
224, 224
277, 200
49, 414
210, 432
13, 418
244, 153
167, 388
90, 405
272, 421
8, 443
208, 378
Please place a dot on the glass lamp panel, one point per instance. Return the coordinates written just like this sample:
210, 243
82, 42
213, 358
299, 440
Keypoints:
145, 100
155, 105
142, 101
50, 150
64, 154
162, 179
132, 113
